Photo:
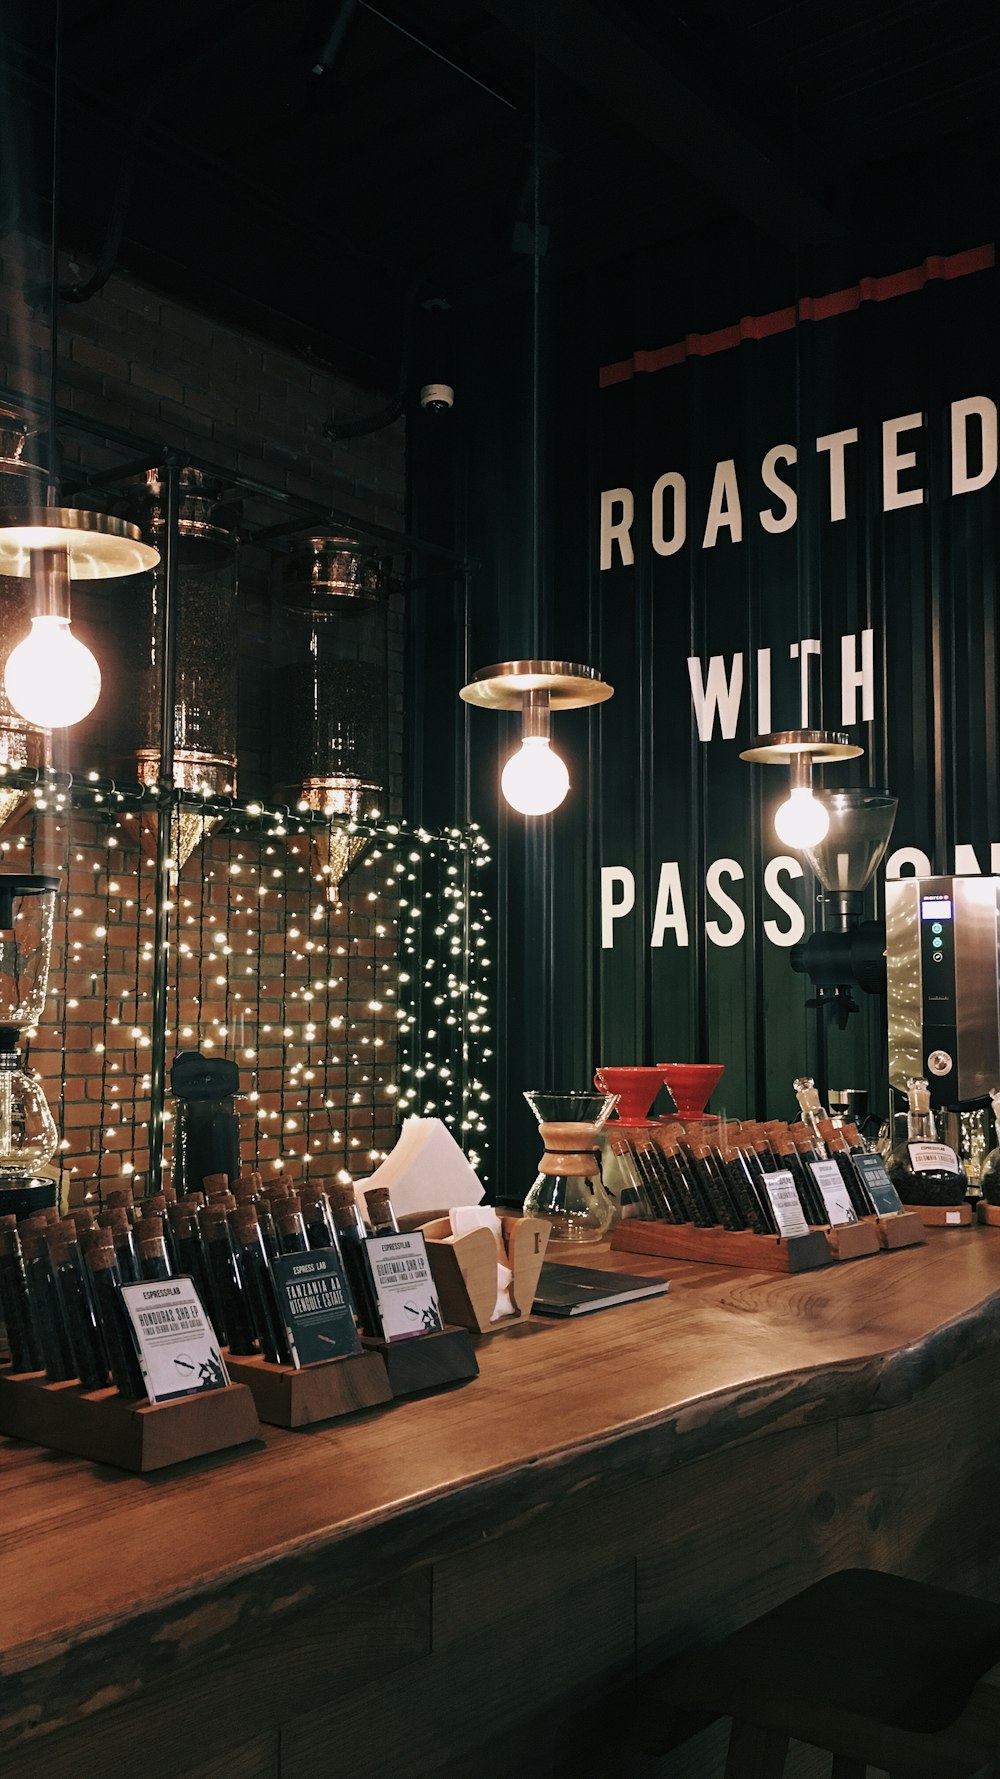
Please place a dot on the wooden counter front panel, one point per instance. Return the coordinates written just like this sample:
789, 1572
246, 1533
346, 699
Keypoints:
469, 1655
482, 1655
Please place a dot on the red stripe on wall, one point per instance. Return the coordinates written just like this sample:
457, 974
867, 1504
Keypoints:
937, 268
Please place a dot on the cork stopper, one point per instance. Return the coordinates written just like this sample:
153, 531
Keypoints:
852, 1136
193, 1200
289, 1222
150, 1229
101, 1251
182, 1221
378, 1202
214, 1224
244, 1192
89, 1235
84, 1216
168, 1192
119, 1195
115, 1218
246, 1223
802, 1138
697, 1148
341, 1195
32, 1240
8, 1222
675, 1131
221, 1201
155, 1203
832, 1137
63, 1230
215, 1183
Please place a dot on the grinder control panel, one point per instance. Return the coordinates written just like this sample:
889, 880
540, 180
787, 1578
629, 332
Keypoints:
937, 958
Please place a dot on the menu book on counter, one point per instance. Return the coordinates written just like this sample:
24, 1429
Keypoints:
577, 1290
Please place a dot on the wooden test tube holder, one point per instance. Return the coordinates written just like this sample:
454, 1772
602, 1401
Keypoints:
140, 1436
724, 1247
286, 1397
426, 1361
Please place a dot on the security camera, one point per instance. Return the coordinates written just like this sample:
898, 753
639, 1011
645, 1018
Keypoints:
436, 397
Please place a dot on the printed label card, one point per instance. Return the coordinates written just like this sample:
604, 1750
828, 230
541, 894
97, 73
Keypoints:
407, 1300
315, 1306
881, 1190
178, 1352
836, 1197
784, 1201
930, 1157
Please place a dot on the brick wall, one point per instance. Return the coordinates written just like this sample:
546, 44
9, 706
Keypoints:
322, 978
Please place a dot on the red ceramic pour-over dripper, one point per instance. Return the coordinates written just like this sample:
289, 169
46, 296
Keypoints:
636, 1088
691, 1085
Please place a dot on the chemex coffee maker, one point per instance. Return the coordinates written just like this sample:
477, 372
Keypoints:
207, 1129
28, 1135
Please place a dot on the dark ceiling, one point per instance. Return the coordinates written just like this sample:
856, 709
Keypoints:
307, 167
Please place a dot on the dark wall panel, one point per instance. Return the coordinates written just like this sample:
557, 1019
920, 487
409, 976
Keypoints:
646, 791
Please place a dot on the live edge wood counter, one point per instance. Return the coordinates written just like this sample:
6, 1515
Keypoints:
436, 1587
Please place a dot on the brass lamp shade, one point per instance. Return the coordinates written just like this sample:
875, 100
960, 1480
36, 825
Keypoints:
569, 685
99, 547
785, 746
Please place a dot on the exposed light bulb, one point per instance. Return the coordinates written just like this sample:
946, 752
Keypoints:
534, 780
51, 678
801, 821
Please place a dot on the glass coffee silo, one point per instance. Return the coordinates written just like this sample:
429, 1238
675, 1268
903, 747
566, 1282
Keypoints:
205, 707
332, 741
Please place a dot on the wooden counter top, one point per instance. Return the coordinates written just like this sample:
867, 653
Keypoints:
105, 1577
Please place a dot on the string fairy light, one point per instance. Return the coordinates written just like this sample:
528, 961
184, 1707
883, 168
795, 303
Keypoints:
383, 1008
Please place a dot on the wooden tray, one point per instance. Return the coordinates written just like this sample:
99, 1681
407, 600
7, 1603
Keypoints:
426, 1361
285, 1397
140, 1436
943, 1216
989, 1214
724, 1247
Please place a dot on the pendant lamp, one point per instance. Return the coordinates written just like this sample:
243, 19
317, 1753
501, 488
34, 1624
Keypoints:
802, 821
535, 780
50, 677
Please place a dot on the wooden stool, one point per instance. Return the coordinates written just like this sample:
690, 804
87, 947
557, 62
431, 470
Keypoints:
878, 1670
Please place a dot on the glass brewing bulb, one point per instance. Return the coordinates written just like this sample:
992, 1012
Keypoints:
534, 780
51, 678
802, 821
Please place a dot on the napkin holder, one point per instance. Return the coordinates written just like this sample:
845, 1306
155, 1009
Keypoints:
464, 1269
